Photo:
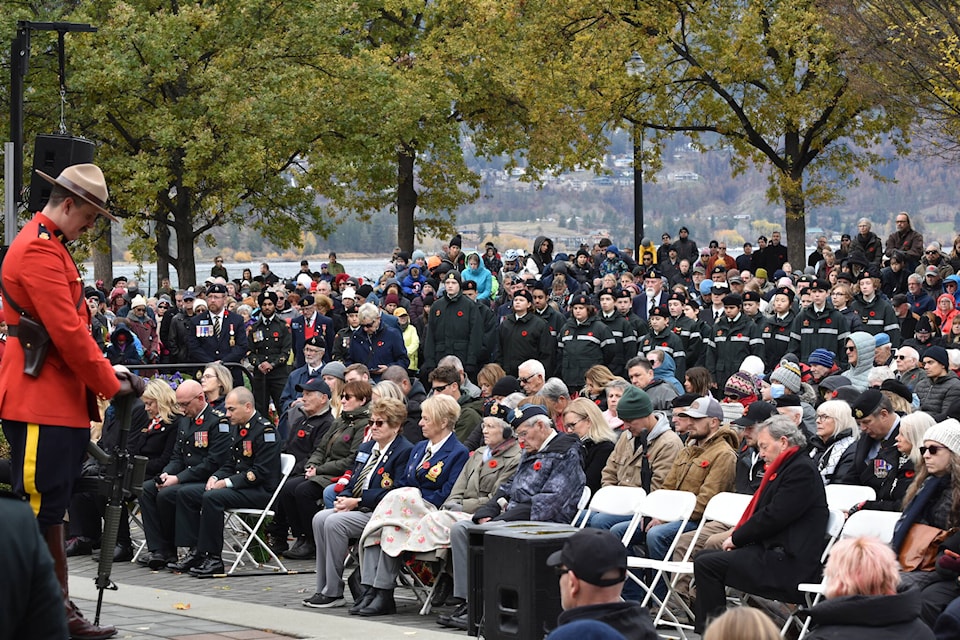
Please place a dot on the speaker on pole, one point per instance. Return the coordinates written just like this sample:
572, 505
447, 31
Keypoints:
52, 154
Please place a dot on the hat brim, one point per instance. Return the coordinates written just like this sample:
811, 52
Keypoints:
80, 192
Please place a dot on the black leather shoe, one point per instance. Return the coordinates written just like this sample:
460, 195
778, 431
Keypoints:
442, 590
211, 566
305, 551
156, 560
459, 622
320, 601
189, 561
382, 604
364, 601
79, 546
277, 544
448, 620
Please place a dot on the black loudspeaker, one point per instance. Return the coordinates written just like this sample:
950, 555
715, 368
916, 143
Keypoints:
53, 154
521, 593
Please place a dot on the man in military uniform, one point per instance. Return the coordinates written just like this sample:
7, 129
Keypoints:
455, 328
661, 337
819, 326
619, 327
246, 480
541, 306
734, 338
46, 404
269, 351
584, 342
201, 448
687, 329
218, 334
524, 336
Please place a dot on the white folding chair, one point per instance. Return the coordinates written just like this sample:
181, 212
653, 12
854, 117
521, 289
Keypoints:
614, 500
876, 524
236, 526
667, 506
140, 544
843, 496
582, 506
726, 508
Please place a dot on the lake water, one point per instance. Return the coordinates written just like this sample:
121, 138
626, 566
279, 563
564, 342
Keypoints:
364, 267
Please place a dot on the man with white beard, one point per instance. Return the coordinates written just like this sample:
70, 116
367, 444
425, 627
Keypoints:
653, 294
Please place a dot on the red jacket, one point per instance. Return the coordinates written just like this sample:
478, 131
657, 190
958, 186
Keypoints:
41, 277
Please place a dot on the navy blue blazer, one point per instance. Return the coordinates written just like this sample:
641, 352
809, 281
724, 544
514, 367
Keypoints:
322, 325
436, 480
384, 478
206, 347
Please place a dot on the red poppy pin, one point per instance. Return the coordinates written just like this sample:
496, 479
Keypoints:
873, 313
828, 322
523, 333
243, 433
492, 464
537, 465
276, 334
739, 335
426, 464
783, 328
705, 464
346, 437
908, 474
459, 314
380, 471
198, 421
301, 433
380, 344
773, 477
663, 344
590, 333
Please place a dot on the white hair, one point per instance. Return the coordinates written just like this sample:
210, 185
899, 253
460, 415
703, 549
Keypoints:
908, 352
877, 375
534, 367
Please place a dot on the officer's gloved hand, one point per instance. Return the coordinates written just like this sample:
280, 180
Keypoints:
130, 383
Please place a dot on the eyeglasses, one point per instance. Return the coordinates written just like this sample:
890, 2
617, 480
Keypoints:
441, 387
822, 416
378, 423
526, 379
933, 449
184, 405
208, 376
570, 426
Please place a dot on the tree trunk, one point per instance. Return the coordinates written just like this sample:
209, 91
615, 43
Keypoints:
406, 198
791, 191
184, 262
103, 252
163, 250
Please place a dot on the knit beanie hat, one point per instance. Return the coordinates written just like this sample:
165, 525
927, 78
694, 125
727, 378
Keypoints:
741, 385
946, 433
634, 403
939, 354
822, 357
787, 374
752, 365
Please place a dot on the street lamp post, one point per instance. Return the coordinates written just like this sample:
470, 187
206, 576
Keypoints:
637, 68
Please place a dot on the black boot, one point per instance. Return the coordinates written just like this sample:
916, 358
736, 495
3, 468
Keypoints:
79, 546
79, 627
189, 561
457, 619
382, 604
303, 550
364, 600
277, 543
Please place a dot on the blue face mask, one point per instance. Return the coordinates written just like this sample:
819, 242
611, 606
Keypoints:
776, 390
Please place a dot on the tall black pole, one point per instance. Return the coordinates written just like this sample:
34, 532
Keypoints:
637, 190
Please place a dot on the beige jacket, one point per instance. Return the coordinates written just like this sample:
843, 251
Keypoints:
706, 469
479, 480
624, 466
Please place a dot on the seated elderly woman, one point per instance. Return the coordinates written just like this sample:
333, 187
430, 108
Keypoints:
432, 469
862, 600
830, 446
546, 488
379, 462
778, 541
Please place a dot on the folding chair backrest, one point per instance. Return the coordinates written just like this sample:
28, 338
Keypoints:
844, 496
727, 507
618, 501
582, 505
668, 505
287, 461
834, 528
877, 524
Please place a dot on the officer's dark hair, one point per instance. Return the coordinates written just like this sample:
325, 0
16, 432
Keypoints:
639, 361
885, 405
58, 194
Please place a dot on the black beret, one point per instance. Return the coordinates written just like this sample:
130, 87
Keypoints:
659, 312
678, 295
470, 285
316, 341
785, 291
732, 300
719, 268
751, 296
651, 274
523, 293
580, 299
624, 293
897, 387
866, 404
609, 291
819, 284
217, 288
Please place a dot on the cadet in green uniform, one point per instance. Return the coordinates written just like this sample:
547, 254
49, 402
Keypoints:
246, 480
200, 450
584, 342
661, 337
620, 327
734, 338
270, 345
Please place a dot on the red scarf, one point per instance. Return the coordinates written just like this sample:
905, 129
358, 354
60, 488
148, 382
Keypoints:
769, 474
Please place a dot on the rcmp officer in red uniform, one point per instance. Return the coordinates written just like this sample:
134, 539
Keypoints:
246, 480
270, 344
202, 446
42, 289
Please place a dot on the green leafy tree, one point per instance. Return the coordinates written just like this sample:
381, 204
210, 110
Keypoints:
766, 79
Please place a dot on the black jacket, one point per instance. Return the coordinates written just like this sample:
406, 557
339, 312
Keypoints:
869, 618
629, 618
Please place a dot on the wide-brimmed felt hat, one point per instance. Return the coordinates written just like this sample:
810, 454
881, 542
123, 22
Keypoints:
85, 181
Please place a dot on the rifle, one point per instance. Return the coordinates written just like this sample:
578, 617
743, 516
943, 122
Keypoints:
122, 480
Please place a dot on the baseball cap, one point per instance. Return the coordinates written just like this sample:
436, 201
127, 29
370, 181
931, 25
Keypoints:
590, 553
705, 407
315, 384
756, 413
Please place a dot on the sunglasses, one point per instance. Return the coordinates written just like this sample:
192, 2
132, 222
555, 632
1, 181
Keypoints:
347, 396
527, 379
367, 325
930, 253
933, 449
901, 357
378, 423
851, 349
441, 387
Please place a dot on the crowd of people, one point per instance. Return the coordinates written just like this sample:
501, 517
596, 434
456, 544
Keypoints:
480, 388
